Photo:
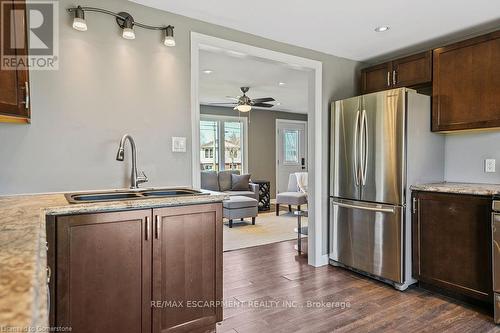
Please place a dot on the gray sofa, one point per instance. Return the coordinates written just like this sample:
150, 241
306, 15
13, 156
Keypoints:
221, 182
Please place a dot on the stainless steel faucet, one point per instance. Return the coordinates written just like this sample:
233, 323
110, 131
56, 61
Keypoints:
135, 179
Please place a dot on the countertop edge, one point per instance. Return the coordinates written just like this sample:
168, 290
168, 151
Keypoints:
478, 189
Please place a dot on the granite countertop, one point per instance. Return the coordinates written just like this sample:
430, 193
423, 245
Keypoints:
459, 188
23, 256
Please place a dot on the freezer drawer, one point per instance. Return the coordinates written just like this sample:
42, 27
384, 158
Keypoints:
367, 237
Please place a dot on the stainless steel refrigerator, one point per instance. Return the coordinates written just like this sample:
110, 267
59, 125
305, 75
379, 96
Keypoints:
380, 144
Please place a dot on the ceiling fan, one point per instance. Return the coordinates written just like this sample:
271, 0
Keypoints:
244, 103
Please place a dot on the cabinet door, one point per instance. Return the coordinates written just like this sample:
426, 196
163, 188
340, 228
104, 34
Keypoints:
14, 84
376, 78
103, 272
413, 70
187, 267
466, 85
452, 243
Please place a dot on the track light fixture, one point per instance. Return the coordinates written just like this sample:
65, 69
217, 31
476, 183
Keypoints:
123, 19
79, 22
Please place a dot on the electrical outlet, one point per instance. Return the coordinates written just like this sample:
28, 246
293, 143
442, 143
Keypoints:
489, 165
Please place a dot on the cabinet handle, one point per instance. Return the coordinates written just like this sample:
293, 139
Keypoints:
147, 227
414, 205
388, 79
394, 77
157, 227
49, 274
26, 101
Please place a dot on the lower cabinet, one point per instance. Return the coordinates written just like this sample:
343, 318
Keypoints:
147, 270
187, 268
452, 243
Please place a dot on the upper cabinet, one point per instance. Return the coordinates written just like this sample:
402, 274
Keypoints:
14, 83
376, 78
466, 85
412, 71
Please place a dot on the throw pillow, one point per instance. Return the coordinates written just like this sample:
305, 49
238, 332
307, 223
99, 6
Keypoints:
240, 182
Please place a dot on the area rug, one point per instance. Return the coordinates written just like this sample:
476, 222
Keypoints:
268, 229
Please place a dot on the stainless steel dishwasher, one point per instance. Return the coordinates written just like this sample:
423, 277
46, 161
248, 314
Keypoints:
495, 226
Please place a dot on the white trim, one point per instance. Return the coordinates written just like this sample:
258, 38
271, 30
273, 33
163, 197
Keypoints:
277, 142
319, 204
243, 120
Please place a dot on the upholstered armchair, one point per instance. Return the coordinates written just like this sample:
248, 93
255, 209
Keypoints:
293, 196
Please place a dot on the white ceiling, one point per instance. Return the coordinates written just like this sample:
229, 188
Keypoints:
344, 28
234, 70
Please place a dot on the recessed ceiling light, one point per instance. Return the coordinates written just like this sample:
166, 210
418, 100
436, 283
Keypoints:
208, 71
382, 28
278, 104
281, 84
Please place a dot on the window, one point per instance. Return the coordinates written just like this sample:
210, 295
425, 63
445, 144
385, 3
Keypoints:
291, 146
209, 143
230, 132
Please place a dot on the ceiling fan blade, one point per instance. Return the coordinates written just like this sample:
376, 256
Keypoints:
215, 103
233, 98
263, 100
263, 105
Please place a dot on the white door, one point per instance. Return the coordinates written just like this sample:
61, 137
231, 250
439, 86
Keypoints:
291, 150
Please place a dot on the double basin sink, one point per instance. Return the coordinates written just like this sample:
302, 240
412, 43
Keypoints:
90, 197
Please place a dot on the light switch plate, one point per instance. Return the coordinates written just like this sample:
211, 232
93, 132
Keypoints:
489, 165
178, 144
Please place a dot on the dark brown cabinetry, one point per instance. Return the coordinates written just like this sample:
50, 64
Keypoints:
187, 268
14, 83
376, 78
466, 85
452, 243
112, 268
412, 71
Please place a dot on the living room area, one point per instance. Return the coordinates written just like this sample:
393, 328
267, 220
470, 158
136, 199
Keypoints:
253, 145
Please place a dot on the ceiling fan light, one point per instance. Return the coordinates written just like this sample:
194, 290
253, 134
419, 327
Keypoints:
244, 108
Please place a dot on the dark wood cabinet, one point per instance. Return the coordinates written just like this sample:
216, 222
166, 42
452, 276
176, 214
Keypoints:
14, 83
466, 85
452, 243
376, 78
412, 71
187, 268
137, 271
103, 281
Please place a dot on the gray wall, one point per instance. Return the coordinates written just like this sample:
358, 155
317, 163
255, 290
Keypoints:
465, 155
107, 86
261, 139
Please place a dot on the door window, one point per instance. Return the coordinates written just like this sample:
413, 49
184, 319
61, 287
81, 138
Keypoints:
291, 146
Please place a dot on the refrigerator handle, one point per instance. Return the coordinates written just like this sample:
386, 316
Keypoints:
373, 209
364, 149
356, 136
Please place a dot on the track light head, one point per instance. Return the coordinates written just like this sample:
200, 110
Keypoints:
126, 22
169, 36
79, 22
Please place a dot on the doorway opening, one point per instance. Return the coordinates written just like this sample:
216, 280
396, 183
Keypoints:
309, 136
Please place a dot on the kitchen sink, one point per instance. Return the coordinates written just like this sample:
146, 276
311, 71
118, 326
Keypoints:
170, 193
89, 197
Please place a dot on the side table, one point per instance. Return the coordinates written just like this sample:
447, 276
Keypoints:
264, 194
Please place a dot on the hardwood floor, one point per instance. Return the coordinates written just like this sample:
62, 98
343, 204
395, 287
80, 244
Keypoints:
266, 289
